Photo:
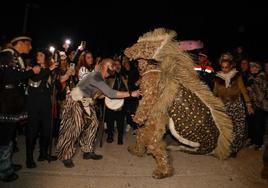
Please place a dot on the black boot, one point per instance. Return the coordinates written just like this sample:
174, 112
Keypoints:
120, 140
10, 178
29, 155
29, 160
68, 163
92, 155
44, 156
16, 167
110, 138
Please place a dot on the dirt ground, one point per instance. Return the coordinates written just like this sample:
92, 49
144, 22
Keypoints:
119, 169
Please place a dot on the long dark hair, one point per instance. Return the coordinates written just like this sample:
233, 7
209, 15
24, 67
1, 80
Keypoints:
47, 54
82, 62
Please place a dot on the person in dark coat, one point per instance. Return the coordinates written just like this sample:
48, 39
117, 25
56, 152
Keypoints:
13, 73
39, 109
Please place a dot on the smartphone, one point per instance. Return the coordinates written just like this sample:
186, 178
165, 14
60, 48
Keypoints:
72, 65
83, 43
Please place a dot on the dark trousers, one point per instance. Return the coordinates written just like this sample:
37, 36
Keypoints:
39, 123
257, 127
119, 118
264, 172
6, 134
6, 160
7, 131
131, 107
130, 121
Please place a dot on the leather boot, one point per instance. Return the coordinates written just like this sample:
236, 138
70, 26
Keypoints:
29, 157
120, 140
29, 153
44, 152
10, 178
68, 163
110, 138
92, 155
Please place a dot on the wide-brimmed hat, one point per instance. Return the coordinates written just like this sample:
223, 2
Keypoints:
20, 38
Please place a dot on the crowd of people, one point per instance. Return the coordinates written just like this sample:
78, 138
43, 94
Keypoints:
63, 94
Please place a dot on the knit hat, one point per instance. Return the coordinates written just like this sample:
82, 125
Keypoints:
255, 64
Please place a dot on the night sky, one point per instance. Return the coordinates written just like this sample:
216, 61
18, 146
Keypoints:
110, 27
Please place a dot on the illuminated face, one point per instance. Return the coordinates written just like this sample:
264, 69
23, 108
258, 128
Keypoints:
89, 58
254, 69
117, 66
71, 55
108, 69
203, 60
226, 67
40, 58
25, 46
244, 65
127, 66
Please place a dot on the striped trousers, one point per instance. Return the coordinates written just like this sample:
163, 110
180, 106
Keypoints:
79, 124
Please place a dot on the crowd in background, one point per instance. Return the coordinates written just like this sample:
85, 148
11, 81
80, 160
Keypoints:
239, 81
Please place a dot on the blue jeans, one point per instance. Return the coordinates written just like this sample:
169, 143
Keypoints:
5, 160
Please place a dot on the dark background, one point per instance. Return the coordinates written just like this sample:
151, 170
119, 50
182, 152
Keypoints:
109, 27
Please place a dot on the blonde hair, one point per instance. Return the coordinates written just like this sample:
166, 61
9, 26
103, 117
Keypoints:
226, 57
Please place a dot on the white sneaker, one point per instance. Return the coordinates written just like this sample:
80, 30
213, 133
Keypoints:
128, 127
134, 132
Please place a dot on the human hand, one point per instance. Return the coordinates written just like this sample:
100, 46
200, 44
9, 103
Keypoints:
138, 82
136, 93
36, 69
53, 65
70, 71
28, 68
82, 45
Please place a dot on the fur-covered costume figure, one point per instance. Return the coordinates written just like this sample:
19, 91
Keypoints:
174, 98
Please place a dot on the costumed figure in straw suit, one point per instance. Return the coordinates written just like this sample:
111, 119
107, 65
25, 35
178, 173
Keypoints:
175, 98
